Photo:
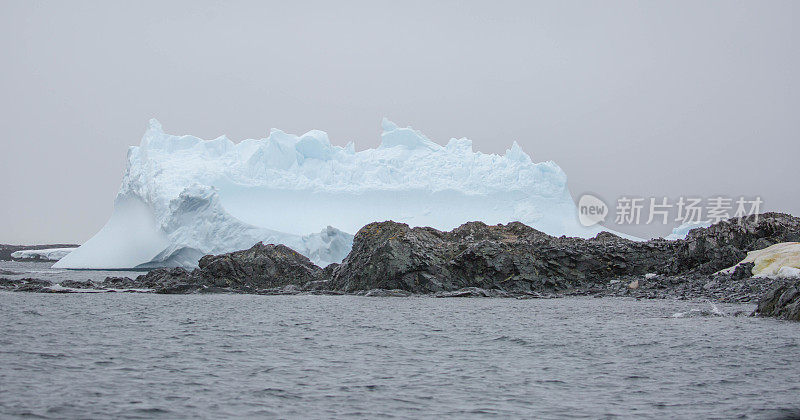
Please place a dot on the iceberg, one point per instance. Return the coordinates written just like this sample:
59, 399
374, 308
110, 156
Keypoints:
47, 254
183, 197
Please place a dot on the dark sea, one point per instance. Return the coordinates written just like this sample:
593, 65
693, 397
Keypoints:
134, 355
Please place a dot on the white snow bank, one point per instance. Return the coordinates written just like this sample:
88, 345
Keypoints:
183, 197
777, 261
49, 254
681, 231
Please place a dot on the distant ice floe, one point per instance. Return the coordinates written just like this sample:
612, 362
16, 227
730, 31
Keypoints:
183, 197
777, 261
50, 254
681, 231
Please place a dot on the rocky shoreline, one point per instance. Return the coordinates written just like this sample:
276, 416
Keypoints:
475, 259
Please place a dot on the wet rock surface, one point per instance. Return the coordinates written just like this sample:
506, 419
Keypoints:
477, 260
25, 285
719, 288
782, 301
513, 258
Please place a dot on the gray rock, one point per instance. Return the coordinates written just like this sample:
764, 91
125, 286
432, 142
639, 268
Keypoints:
743, 271
168, 279
782, 302
260, 268
77, 284
123, 283
515, 258
724, 244
25, 285
181, 288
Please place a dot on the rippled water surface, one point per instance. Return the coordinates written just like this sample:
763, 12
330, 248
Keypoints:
144, 355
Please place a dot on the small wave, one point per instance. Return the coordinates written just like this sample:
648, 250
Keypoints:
696, 313
514, 340
150, 411
716, 310
712, 312
51, 355
276, 392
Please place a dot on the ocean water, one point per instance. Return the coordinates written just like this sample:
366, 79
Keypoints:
120, 355
43, 270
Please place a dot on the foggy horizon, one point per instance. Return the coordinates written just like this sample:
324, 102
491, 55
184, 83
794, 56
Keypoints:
649, 100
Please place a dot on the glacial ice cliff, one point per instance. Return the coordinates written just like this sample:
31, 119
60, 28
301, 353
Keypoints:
183, 197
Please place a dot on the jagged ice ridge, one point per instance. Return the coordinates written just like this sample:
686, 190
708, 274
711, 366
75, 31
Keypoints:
182, 197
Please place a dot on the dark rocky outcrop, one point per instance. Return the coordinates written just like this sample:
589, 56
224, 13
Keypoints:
743, 271
511, 257
720, 288
724, 244
781, 302
78, 284
258, 268
25, 285
519, 259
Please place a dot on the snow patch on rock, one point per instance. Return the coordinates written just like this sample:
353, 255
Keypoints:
777, 261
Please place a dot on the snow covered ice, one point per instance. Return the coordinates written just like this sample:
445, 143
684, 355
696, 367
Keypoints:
48, 254
183, 197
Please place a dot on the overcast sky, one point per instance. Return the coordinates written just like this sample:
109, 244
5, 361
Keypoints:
629, 98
